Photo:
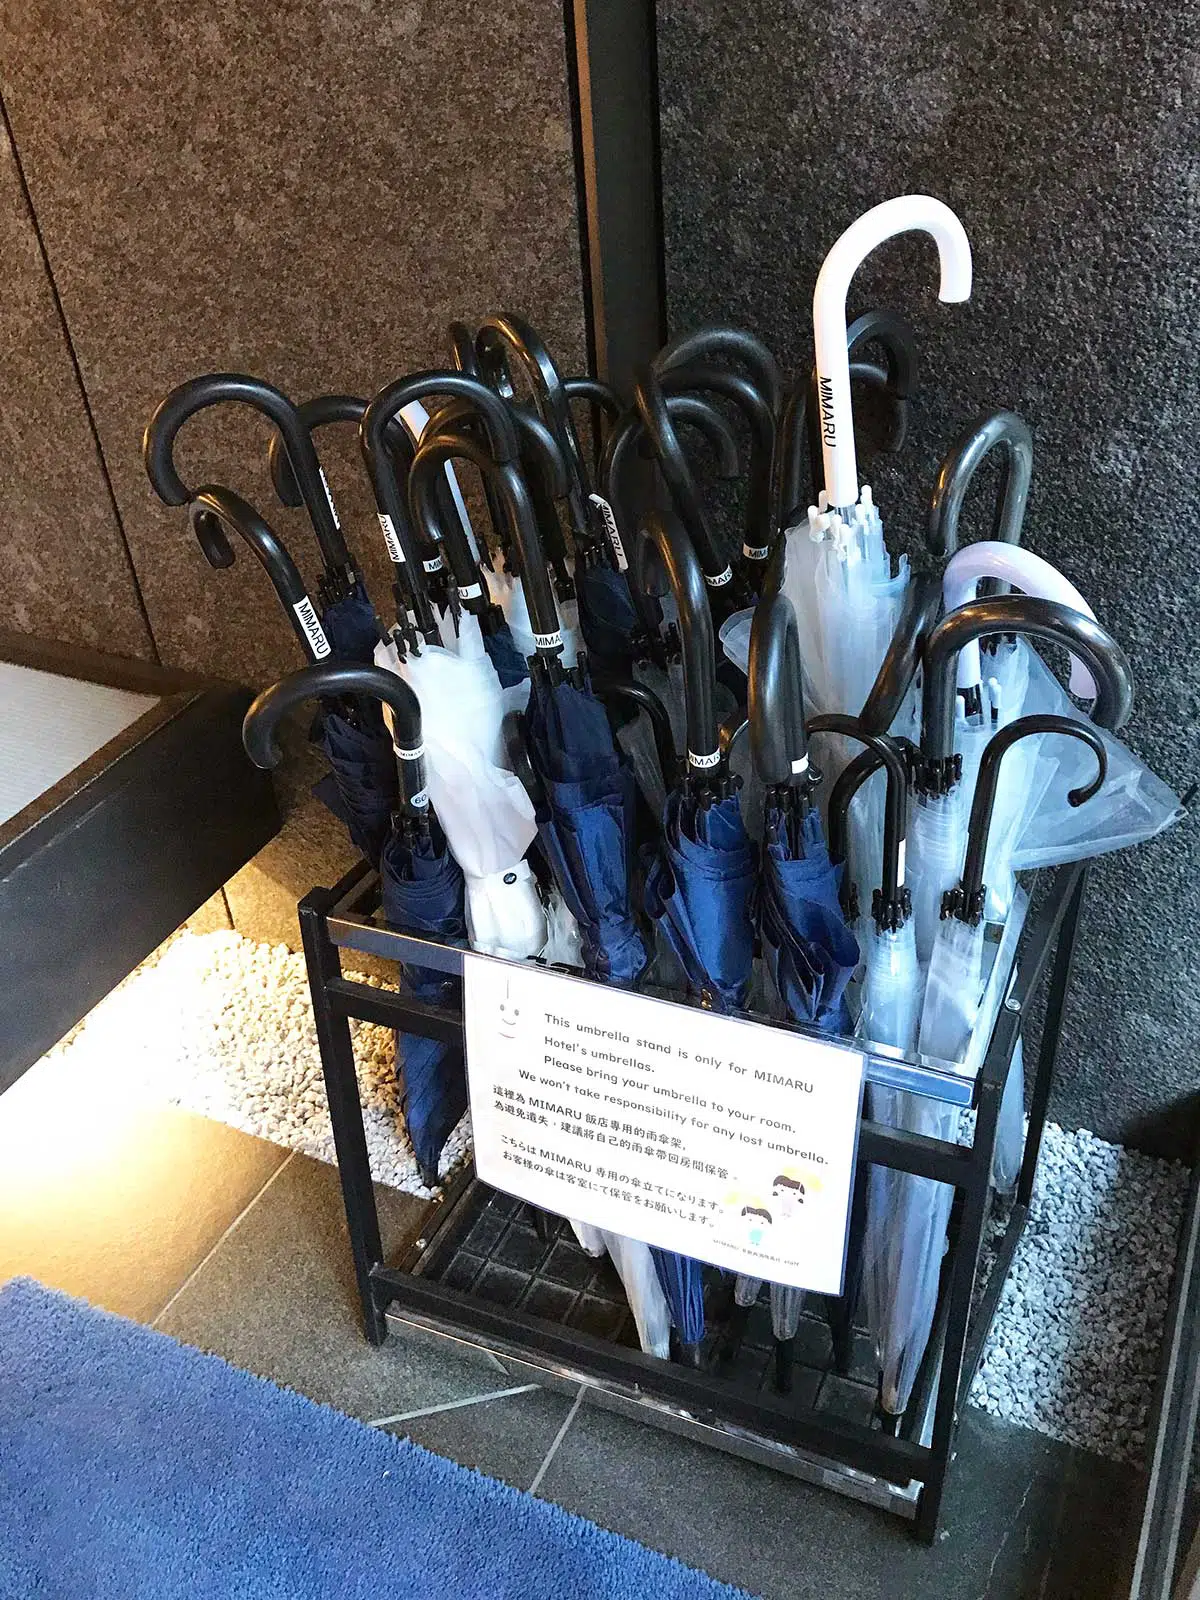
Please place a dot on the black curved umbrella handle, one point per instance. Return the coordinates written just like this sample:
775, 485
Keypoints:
390, 504
331, 678
1004, 431
776, 699
219, 388
594, 392
462, 349
215, 513
762, 521
850, 780
891, 902
319, 412
617, 494
512, 494
505, 335
918, 615
539, 449
718, 339
651, 403
642, 698
704, 761
1036, 618
966, 903
424, 500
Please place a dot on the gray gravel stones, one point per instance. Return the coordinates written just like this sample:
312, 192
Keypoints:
1074, 1349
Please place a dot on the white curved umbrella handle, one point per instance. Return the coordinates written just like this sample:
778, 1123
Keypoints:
991, 558
908, 213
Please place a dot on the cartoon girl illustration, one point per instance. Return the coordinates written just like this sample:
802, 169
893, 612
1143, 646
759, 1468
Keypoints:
787, 1196
757, 1220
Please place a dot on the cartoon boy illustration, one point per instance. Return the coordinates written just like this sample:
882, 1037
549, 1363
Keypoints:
787, 1196
757, 1220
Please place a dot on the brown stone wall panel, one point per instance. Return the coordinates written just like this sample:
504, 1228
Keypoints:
63, 568
307, 191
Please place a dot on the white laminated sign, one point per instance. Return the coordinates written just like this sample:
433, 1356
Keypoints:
711, 1136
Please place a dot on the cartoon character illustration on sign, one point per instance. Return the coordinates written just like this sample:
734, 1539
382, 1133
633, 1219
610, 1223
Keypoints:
787, 1196
756, 1220
509, 1014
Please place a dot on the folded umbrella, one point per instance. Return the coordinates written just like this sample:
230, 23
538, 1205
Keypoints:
420, 885
700, 879
809, 952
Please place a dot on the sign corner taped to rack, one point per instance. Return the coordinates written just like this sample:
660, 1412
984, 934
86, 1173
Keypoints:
715, 1137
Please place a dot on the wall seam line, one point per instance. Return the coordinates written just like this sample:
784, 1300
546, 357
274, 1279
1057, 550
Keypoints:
60, 312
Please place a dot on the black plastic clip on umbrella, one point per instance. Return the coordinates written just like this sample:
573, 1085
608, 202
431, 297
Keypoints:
421, 887
219, 388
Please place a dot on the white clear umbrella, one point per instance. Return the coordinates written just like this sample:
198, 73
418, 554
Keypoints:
635, 1266
838, 573
487, 817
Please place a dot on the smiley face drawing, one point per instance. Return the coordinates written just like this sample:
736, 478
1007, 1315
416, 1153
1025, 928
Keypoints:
509, 1015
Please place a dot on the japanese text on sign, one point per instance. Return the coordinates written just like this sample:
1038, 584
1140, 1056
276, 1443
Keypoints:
711, 1136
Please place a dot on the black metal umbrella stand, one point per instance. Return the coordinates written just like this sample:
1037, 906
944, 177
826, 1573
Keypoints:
489, 1274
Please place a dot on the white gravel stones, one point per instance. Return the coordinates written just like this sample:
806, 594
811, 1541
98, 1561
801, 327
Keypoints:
223, 1027
1074, 1350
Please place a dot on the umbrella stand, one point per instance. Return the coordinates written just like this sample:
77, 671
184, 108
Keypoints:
795, 1433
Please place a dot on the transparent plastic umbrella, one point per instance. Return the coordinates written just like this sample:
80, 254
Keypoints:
956, 970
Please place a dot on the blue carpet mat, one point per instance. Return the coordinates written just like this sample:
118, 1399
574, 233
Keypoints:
133, 1467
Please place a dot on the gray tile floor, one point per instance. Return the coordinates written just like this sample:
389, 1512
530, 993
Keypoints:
240, 1248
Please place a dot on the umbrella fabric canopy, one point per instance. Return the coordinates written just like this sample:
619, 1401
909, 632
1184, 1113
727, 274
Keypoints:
698, 889
586, 825
360, 788
422, 894
634, 1262
607, 614
810, 952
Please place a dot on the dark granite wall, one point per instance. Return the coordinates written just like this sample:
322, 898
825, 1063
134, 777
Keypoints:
1065, 136
307, 190
64, 570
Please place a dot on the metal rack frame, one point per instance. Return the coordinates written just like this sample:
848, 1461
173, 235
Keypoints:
906, 1472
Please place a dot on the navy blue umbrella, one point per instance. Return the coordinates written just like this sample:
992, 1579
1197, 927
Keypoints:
421, 886
700, 878
508, 661
810, 952
586, 822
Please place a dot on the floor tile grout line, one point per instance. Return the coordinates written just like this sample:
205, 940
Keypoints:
557, 1440
236, 1223
452, 1405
